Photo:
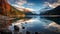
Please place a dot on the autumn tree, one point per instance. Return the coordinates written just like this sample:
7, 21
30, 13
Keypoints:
4, 7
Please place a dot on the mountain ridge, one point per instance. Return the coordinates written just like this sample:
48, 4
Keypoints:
55, 11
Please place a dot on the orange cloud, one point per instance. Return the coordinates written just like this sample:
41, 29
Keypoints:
21, 8
52, 5
21, 2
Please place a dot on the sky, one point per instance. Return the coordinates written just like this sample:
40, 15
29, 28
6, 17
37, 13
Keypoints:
34, 5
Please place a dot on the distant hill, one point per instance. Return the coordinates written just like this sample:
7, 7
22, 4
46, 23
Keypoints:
55, 11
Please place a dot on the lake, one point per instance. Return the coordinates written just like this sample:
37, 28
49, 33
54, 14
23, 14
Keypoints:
34, 23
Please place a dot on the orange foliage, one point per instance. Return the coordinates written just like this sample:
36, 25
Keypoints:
2, 5
5, 6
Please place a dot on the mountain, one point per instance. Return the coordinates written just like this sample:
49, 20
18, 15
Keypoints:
11, 11
7, 10
55, 11
8, 14
45, 9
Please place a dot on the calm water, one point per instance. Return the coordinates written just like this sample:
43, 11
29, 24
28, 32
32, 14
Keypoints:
34, 23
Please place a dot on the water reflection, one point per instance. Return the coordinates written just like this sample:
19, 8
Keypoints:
34, 23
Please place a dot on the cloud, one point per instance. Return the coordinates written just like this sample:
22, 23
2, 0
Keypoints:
30, 9
22, 8
52, 4
15, 5
19, 5
21, 2
30, 4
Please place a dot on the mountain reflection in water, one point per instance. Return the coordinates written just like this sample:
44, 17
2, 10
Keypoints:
34, 23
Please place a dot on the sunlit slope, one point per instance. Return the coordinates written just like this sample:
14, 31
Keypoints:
8, 10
